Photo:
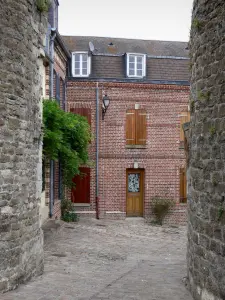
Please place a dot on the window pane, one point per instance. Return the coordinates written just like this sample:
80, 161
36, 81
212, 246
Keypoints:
84, 57
139, 72
77, 64
77, 57
131, 72
134, 183
77, 71
131, 58
84, 71
131, 65
84, 65
139, 59
139, 66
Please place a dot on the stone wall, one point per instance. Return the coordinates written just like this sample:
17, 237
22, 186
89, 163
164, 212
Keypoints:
22, 31
206, 190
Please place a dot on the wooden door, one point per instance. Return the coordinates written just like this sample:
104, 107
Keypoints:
135, 192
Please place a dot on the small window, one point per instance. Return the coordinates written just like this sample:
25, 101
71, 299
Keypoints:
136, 65
81, 64
184, 118
136, 127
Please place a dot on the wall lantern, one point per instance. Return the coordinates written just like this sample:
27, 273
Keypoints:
105, 105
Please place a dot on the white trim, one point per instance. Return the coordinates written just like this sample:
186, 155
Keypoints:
115, 212
81, 71
135, 65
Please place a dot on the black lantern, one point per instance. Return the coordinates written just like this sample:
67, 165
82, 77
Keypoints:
105, 105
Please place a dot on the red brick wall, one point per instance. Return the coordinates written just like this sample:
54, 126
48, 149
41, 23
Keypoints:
162, 157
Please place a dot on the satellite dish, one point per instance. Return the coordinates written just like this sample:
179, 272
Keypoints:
91, 46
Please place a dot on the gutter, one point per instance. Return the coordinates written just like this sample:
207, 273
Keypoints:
52, 39
97, 150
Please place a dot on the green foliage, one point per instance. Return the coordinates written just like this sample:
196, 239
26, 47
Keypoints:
212, 130
220, 213
161, 207
43, 5
203, 96
67, 136
68, 211
192, 105
197, 24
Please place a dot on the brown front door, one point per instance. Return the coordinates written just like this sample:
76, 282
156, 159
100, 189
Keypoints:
135, 192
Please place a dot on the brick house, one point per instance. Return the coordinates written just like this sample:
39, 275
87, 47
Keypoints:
56, 60
138, 141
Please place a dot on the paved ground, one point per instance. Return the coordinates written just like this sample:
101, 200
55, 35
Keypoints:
96, 260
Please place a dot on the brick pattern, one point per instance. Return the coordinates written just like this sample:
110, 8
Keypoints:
161, 159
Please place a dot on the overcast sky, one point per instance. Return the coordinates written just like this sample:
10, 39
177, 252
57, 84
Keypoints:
142, 19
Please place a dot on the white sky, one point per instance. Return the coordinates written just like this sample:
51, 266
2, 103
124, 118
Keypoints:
142, 19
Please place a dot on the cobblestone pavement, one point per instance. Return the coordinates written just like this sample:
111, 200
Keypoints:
99, 260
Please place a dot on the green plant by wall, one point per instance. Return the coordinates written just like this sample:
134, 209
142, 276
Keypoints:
43, 5
197, 24
212, 130
192, 105
161, 207
68, 211
67, 136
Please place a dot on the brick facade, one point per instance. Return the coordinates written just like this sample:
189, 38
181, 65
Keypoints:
162, 157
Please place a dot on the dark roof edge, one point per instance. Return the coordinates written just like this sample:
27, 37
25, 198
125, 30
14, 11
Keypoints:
163, 82
62, 44
149, 56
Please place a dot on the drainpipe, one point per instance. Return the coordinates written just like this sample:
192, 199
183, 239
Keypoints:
51, 86
97, 146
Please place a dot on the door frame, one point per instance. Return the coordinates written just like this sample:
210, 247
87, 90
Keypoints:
142, 172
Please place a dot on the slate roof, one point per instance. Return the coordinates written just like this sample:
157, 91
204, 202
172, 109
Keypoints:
119, 46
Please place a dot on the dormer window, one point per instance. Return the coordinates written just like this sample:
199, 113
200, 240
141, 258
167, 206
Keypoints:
136, 65
81, 64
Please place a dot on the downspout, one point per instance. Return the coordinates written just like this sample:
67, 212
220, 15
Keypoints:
51, 87
97, 148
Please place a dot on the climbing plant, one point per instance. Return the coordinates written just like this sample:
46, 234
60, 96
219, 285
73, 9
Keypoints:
67, 136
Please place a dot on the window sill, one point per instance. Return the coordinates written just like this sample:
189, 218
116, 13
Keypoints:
82, 204
136, 146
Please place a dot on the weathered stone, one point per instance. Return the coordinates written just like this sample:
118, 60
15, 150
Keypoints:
22, 31
206, 176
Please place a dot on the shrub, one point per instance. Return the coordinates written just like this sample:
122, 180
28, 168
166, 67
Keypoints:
160, 208
43, 5
68, 211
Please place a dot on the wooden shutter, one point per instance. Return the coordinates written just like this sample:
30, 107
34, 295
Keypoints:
81, 192
140, 127
183, 185
82, 111
130, 127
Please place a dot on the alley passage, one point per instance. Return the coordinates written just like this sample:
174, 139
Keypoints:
98, 260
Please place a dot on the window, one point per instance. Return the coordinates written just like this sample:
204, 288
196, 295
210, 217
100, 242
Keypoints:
81, 193
136, 127
183, 186
136, 65
80, 64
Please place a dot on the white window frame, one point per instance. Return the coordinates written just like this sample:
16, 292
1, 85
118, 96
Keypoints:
135, 65
88, 64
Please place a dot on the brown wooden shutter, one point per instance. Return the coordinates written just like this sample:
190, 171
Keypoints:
81, 193
183, 185
82, 111
130, 127
185, 117
141, 127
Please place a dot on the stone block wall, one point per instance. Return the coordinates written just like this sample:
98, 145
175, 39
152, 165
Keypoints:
206, 179
22, 31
